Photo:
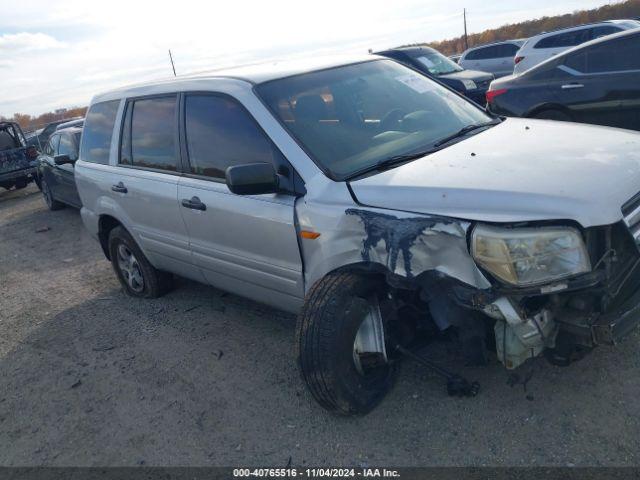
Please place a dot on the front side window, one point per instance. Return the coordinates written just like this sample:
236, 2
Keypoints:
352, 117
220, 133
98, 131
67, 147
568, 39
152, 143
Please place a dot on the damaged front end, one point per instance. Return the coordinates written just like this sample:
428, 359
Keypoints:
567, 317
579, 289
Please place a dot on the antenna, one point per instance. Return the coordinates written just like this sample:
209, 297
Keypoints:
172, 65
466, 40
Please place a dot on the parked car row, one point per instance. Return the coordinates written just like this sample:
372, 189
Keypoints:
597, 82
17, 159
373, 199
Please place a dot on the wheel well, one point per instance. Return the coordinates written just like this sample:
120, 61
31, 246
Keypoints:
105, 225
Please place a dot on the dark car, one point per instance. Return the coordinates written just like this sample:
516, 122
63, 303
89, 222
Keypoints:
17, 159
40, 139
56, 169
597, 82
470, 83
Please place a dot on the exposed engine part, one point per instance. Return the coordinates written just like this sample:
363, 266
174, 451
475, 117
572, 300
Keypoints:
517, 338
370, 337
457, 385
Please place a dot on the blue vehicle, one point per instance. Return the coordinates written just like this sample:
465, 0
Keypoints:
18, 162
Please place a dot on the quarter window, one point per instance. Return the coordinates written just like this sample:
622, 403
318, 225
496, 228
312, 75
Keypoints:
98, 131
148, 138
220, 134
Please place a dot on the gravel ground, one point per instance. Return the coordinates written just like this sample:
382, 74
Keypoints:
91, 377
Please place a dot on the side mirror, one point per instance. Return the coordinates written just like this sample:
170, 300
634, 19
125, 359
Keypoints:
252, 179
63, 160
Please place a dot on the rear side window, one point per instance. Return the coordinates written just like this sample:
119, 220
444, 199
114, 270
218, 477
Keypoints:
614, 56
221, 133
98, 130
598, 32
495, 51
568, 39
149, 134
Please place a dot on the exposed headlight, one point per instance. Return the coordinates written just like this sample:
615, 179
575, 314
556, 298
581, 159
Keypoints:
469, 84
530, 256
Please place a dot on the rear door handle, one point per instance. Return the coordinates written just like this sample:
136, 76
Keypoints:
119, 187
194, 204
570, 86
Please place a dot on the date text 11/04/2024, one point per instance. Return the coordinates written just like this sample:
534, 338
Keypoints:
316, 473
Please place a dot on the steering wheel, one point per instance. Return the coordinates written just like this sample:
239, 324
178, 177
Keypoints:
391, 119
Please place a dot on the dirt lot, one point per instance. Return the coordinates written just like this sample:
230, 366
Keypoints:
89, 376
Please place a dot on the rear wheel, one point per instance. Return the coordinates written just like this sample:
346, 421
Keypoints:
553, 114
138, 277
340, 343
21, 183
52, 203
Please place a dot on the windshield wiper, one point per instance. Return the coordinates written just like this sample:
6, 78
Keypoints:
391, 162
463, 131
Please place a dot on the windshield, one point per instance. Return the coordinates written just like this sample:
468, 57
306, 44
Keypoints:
438, 64
351, 118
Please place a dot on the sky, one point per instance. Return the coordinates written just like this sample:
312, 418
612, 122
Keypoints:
59, 53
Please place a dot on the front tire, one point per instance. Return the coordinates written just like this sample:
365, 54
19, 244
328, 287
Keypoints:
326, 331
137, 276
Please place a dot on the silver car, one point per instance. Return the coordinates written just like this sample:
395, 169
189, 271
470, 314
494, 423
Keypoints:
379, 205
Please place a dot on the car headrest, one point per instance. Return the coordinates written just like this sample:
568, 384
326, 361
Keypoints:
311, 108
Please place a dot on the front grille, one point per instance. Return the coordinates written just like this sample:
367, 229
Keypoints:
631, 214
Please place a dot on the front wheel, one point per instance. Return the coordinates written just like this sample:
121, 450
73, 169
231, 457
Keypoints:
341, 343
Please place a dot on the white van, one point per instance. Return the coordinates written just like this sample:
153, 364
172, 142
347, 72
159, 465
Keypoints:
547, 44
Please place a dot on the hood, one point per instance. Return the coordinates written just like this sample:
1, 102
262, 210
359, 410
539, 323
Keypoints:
519, 170
468, 75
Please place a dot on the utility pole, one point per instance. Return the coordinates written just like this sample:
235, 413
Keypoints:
466, 40
172, 65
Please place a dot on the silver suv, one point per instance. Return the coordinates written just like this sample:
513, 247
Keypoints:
376, 203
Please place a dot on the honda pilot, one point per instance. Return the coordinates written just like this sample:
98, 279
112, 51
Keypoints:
381, 207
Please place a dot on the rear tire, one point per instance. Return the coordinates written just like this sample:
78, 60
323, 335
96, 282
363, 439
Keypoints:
326, 330
51, 202
137, 276
553, 114
21, 183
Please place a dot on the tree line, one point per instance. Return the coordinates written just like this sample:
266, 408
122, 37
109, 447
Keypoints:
626, 9
29, 123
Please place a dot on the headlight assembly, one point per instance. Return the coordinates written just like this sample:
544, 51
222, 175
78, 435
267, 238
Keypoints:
530, 256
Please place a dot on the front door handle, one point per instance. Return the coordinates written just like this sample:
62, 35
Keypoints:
571, 86
194, 203
119, 187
